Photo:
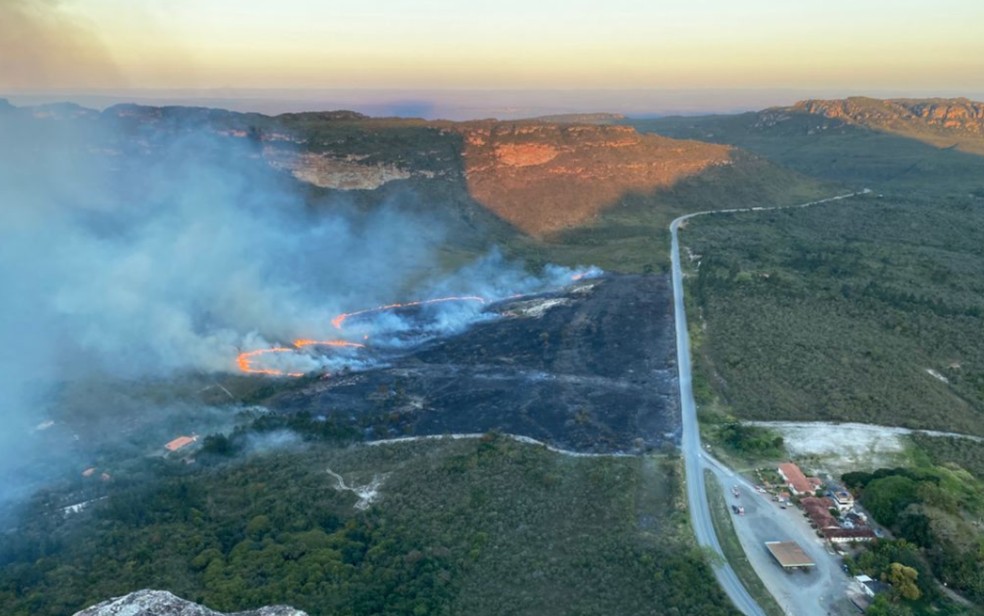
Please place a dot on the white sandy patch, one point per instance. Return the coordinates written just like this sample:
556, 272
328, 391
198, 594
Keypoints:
936, 375
843, 447
368, 493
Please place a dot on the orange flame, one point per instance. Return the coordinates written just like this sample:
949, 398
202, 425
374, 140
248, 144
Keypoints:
245, 360
304, 342
337, 321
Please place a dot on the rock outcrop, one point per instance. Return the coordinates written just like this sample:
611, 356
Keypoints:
546, 177
943, 122
958, 114
162, 603
329, 172
540, 176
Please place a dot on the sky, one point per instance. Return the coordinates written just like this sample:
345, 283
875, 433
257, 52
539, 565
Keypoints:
835, 46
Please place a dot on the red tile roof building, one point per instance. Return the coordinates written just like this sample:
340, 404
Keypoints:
818, 510
181, 441
795, 479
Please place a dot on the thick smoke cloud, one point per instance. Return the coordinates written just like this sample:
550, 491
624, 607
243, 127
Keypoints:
42, 45
177, 261
132, 254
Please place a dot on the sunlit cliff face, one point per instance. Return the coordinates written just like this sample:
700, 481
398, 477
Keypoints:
546, 178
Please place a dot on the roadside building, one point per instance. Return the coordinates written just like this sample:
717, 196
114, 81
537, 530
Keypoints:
789, 555
180, 443
849, 535
843, 499
869, 586
796, 480
818, 510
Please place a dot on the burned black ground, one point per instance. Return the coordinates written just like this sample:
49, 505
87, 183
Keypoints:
590, 369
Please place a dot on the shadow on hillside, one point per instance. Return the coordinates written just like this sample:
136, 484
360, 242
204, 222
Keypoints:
831, 150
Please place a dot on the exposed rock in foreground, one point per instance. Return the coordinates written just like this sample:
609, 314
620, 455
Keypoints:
162, 603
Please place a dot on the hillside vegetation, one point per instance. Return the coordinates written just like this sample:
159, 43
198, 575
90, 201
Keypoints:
833, 149
568, 190
866, 310
633, 235
941, 122
933, 509
545, 178
485, 526
862, 310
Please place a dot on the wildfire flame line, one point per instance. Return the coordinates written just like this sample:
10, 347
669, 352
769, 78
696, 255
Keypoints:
340, 319
245, 360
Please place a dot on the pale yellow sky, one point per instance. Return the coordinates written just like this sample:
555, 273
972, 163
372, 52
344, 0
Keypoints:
882, 44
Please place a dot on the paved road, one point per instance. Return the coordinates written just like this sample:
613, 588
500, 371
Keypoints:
700, 513
821, 590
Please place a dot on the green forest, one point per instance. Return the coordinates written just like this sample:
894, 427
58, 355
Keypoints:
933, 510
868, 309
487, 526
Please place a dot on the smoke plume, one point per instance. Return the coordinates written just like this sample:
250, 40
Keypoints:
136, 253
42, 45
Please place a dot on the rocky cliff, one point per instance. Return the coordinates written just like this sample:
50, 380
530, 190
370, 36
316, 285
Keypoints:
942, 121
161, 603
545, 177
541, 176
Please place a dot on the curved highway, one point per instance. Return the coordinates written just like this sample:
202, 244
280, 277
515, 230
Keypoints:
700, 513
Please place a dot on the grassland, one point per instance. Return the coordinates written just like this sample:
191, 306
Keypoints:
460, 527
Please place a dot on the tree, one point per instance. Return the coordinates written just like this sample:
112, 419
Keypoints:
887, 497
881, 606
903, 581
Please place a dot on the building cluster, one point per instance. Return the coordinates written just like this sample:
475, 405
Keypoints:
833, 515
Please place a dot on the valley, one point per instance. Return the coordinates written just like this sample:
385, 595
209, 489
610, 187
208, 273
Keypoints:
499, 424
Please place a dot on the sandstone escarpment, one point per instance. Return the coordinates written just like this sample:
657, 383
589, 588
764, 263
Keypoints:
544, 177
941, 121
327, 171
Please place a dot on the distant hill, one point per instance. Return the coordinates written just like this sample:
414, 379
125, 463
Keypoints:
571, 189
904, 146
944, 122
540, 176
581, 118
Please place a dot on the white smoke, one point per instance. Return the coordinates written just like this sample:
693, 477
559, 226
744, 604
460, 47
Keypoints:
130, 255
